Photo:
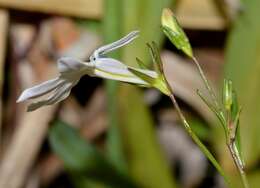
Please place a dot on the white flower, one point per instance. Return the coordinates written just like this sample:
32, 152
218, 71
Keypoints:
71, 70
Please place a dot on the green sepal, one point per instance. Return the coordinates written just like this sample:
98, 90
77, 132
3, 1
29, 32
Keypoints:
157, 61
157, 83
141, 64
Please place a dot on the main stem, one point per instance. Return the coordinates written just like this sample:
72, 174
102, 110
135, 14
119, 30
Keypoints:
238, 162
234, 151
196, 139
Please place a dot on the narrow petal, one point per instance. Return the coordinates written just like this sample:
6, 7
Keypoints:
112, 69
115, 45
69, 65
39, 90
59, 94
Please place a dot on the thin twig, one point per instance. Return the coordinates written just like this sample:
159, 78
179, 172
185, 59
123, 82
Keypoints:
207, 84
197, 140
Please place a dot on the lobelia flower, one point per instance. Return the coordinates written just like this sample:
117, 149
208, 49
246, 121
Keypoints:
71, 70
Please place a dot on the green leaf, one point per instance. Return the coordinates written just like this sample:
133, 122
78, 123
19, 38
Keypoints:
199, 127
80, 181
81, 159
174, 32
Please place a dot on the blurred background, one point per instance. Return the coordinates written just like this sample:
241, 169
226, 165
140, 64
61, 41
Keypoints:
113, 135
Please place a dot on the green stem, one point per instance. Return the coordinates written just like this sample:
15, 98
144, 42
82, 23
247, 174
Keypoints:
234, 151
238, 162
197, 140
207, 84
189, 130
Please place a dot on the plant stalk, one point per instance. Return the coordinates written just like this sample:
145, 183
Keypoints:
207, 84
197, 140
238, 162
234, 151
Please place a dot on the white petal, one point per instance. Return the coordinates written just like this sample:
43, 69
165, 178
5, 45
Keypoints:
112, 69
59, 94
39, 90
69, 65
115, 45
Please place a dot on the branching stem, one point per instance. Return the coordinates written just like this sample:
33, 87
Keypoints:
230, 134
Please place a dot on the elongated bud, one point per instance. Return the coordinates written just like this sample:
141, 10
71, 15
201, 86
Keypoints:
174, 32
228, 94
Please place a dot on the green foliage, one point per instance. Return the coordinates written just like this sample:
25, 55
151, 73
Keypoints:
146, 161
112, 32
82, 160
145, 16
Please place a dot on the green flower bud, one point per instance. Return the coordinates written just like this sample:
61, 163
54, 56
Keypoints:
228, 94
174, 32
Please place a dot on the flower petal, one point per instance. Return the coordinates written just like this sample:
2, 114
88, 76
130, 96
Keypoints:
59, 94
112, 69
115, 45
39, 90
70, 65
